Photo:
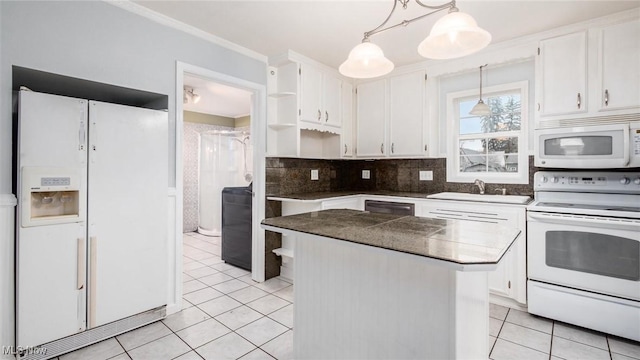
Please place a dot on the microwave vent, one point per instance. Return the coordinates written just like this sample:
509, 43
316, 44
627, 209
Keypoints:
595, 120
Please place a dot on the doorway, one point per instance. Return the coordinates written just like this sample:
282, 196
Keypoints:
234, 146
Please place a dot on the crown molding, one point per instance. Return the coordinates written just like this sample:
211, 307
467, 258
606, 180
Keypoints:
191, 30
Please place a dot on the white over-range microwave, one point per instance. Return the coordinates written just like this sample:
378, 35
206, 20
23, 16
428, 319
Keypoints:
589, 147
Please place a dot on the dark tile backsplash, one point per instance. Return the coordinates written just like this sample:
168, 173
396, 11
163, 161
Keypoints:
287, 176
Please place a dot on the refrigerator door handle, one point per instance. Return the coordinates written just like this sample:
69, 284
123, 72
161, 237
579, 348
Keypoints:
81, 271
92, 273
82, 135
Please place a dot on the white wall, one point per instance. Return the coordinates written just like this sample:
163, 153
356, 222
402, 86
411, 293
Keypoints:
100, 42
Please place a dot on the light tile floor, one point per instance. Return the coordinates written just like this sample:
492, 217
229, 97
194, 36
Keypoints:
226, 315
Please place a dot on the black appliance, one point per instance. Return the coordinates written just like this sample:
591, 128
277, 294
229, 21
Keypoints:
236, 226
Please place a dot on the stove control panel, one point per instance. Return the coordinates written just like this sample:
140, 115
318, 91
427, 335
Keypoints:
587, 181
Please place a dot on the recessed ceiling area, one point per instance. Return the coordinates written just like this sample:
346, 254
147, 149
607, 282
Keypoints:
217, 99
327, 30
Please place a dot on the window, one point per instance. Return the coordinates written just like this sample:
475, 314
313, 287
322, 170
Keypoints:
492, 148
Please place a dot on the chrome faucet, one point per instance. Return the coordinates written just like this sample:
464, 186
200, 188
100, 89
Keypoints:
480, 184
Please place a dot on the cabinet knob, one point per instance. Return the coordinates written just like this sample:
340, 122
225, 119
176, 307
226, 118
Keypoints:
319, 115
382, 148
392, 147
579, 100
606, 97
345, 148
326, 116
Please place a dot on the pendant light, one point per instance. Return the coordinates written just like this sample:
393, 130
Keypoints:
481, 109
366, 60
455, 35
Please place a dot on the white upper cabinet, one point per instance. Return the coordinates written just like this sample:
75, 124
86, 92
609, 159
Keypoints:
310, 94
618, 66
332, 96
562, 65
320, 97
371, 119
406, 114
589, 74
347, 120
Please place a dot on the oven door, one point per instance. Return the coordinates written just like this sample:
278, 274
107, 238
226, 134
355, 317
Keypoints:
590, 147
596, 254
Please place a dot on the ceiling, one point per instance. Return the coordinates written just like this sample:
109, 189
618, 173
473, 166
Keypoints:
326, 30
218, 99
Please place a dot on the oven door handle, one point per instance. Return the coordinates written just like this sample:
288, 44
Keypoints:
618, 224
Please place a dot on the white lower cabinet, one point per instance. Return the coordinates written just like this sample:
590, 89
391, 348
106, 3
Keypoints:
509, 282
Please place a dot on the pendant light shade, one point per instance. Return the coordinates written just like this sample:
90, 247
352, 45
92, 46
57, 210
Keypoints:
366, 60
481, 109
455, 35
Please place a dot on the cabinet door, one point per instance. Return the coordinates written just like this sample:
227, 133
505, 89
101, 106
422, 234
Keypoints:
406, 116
310, 95
332, 94
619, 66
562, 65
371, 119
347, 120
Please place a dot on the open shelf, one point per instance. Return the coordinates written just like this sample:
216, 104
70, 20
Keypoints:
277, 95
283, 252
281, 126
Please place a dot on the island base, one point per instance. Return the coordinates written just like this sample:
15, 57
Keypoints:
354, 301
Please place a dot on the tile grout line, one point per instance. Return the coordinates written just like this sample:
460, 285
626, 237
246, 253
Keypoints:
553, 328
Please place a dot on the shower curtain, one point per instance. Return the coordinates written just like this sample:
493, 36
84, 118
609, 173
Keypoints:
225, 160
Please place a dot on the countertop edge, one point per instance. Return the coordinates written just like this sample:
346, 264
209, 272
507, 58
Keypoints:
488, 266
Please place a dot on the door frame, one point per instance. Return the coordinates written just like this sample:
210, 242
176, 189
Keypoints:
258, 140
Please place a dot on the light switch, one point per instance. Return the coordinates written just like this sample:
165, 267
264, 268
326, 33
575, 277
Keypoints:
366, 174
314, 174
426, 175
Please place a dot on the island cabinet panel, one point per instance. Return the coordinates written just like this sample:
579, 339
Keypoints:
360, 302
508, 284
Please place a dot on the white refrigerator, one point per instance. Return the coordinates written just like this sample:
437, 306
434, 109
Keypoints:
91, 239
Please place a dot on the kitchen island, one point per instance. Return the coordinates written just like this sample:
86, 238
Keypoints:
383, 286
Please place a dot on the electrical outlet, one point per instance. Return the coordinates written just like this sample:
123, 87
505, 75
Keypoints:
366, 174
426, 175
314, 174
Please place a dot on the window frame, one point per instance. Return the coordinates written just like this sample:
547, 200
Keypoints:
453, 134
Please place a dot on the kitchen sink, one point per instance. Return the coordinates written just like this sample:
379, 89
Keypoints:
504, 199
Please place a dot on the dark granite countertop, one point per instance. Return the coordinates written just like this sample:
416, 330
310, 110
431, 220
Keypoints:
459, 242
319, 196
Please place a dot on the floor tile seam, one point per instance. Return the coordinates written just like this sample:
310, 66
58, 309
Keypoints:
148, 342
225, 334
259, 346
231, 332
192, 270
231, 280
280, 297
121, 347
510, 322
220, 313
285, 325
553, 329
528, 347
162, 337
282, 307
608, 349
536, 330
196, 323
611, 352
192, 349
243, 303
